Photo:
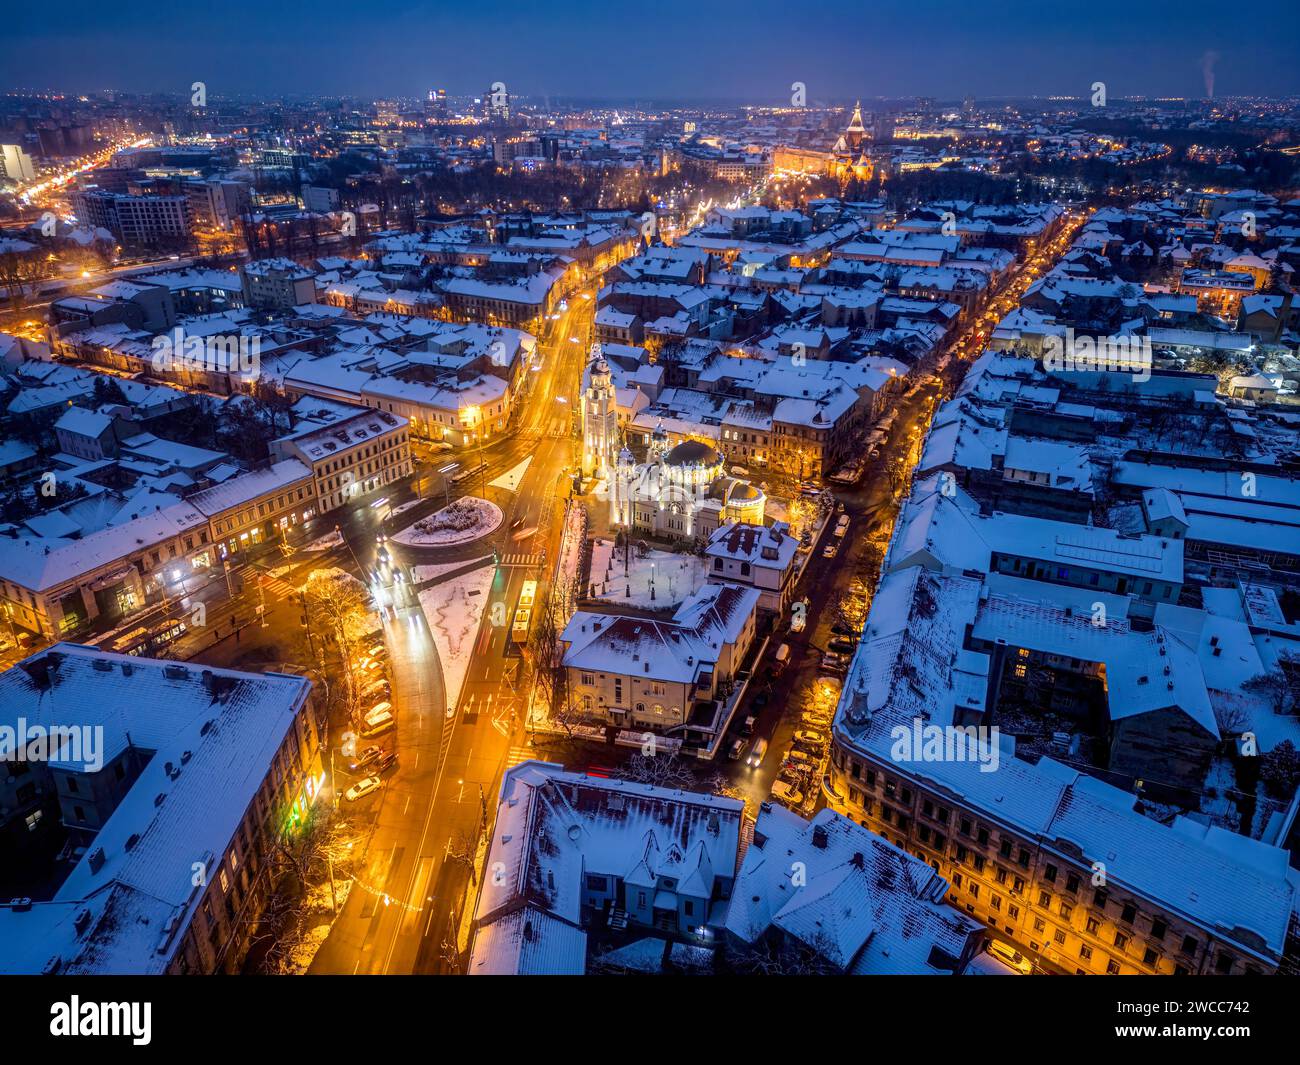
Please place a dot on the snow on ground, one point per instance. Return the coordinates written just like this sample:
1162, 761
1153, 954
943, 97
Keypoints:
324, 543
1216, 802
420, 574
454, 610
511, 478
458, 523
675, 576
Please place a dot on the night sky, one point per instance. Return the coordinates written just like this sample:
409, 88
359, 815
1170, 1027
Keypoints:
659, 50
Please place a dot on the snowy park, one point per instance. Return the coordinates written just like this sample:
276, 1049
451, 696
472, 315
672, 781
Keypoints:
650, 579
457, 523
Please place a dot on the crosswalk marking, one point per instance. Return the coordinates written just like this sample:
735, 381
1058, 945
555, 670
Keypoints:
252, 578
519, 754
521, 560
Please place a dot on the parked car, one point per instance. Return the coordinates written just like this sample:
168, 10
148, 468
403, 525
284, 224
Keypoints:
842, 646
843, 628
1008, 955
830, 550
365, 758
747, 728
798, 757
808, 735
781, 658
787, 794
387, 761
378, 651
737, 749
362, 788
755, 758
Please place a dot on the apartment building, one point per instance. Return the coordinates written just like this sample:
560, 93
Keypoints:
277, 284
665, 676
135, 219
258, 506
173, 873
1054, 859
349, 453
808, 883
578, 850
762, 557
57, 585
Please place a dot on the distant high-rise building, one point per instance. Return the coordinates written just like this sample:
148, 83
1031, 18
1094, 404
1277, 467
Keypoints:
496, 103
135, 219
15, 163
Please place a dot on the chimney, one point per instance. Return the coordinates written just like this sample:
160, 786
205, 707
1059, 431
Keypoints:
820, 837
39, 669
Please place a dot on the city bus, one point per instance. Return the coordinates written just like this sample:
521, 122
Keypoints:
524, 612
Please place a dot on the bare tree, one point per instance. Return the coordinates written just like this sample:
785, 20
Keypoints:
1275, 686
660, 770
784, 957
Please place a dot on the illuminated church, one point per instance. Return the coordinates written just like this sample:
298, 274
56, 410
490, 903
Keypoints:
847, 159
677, 493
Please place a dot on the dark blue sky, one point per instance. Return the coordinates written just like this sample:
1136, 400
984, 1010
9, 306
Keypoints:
657, 48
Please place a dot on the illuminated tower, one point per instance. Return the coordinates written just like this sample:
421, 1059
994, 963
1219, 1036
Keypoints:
856, 132
599, 421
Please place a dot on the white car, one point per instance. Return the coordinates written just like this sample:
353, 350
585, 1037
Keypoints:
362, 788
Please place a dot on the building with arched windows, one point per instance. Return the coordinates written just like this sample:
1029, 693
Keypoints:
680, 492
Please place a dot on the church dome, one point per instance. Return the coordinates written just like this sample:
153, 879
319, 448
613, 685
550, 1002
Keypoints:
743, 491
692, 453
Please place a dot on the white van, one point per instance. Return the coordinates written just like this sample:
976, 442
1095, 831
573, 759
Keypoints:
782, 657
